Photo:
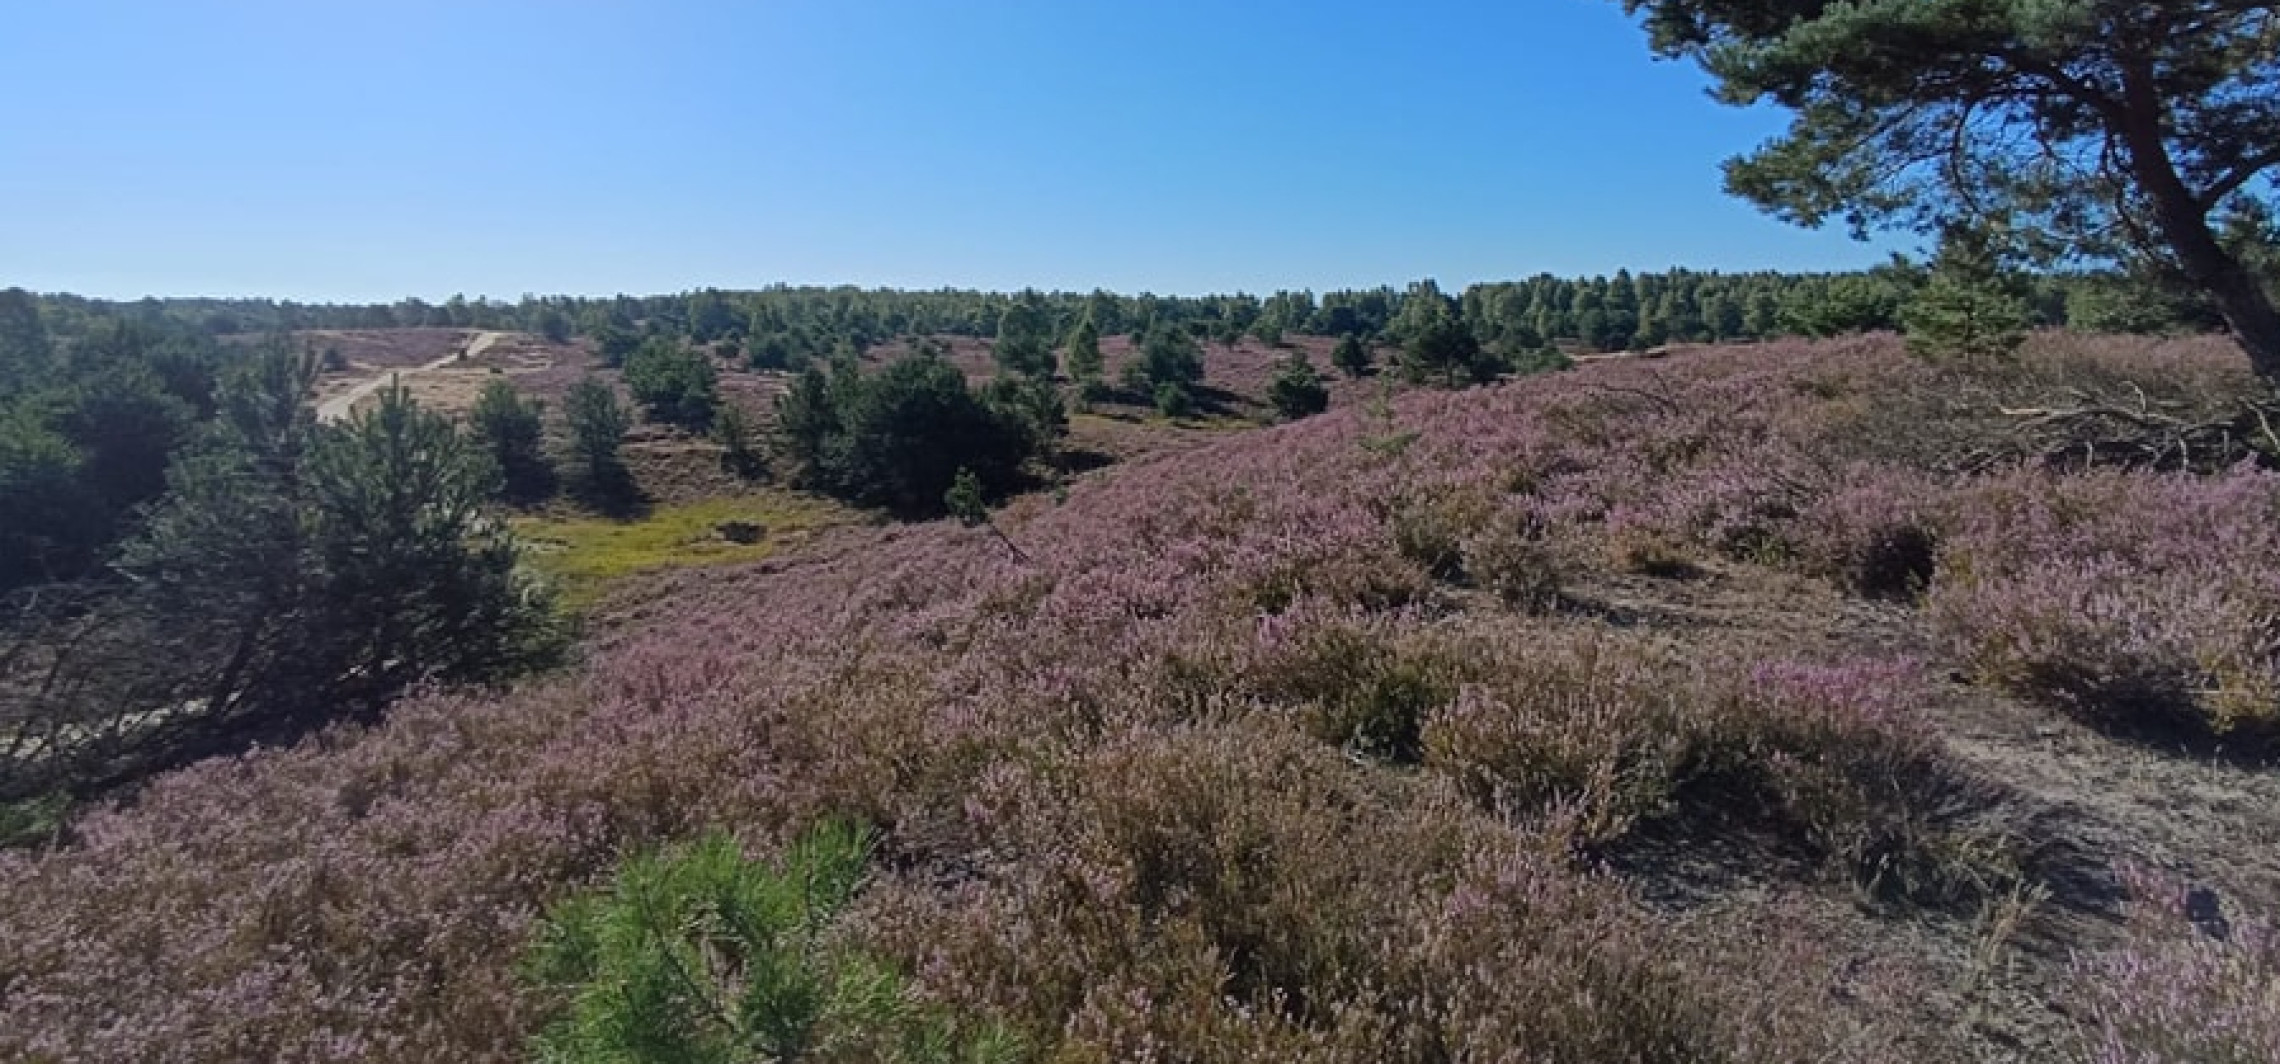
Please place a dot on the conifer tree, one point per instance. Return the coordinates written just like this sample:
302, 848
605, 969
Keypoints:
1297, 390
1084, 362
2119, 131
1972, 308
597, 432
1351, 356
513, 431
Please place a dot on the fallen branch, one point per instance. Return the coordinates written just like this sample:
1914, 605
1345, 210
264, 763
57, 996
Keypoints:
2145, 438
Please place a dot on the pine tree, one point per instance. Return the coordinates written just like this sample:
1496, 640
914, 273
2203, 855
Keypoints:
1168, 355
1022, 346
1297, 390
807, 417
1972, 308
674, 384
296, 573
513, 430
739, 440
24, 344
1085, 364
597, 432
1351, 356
2108, 130
1436, 341
1174, 400
418, 583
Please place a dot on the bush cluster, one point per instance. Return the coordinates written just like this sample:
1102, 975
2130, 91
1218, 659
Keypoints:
897, 437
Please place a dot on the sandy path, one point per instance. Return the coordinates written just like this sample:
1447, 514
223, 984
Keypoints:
338, 407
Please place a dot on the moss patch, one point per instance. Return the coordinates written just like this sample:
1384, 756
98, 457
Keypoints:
584, 554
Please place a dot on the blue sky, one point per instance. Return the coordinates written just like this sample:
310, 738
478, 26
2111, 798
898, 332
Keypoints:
359, 150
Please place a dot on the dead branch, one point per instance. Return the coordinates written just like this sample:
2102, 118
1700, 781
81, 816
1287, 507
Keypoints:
2116, 434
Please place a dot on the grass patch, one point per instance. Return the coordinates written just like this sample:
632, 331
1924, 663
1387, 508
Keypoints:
32, 821
584, 555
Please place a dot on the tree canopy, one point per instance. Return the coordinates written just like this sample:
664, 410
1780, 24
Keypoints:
897, 438
2120, 130
513, 430
291, 573
1296, 390
673, 384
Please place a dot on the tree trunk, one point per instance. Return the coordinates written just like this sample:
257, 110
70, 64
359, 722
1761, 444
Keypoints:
2183, 220
2248, 308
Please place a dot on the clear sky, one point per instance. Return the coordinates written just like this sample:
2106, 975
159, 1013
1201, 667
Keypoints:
368, 150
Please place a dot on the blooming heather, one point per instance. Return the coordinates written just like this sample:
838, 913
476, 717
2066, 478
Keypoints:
1277, 748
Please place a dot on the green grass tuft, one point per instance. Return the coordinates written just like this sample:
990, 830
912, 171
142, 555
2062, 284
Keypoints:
584, 555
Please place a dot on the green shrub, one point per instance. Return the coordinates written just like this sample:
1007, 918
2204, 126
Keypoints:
1351, 356
513, 430
1296, 390
673, 384
739, 441
33, 821
897, 438
1360, 691
1174, 400
703, 955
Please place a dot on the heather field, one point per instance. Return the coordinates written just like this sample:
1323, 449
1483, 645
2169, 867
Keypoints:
1787, 702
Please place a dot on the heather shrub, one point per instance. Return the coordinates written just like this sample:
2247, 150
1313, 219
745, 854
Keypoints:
1133, 793
1232, 893
1587, 723
1613, 734
1431, 523
1842, 755
2186, 986
701, 954
2131, 599
1875, 536
1555, 966
1650, 552
1186, 886
1358, 683
1366, 577
1519, 569
1431, 534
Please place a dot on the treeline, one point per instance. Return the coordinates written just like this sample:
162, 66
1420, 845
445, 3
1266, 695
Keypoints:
784, 327
88, 423
1627, 312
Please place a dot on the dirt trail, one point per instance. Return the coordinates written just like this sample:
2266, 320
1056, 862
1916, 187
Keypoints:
337, 408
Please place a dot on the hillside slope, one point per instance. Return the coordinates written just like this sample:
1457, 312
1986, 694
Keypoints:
1751, 705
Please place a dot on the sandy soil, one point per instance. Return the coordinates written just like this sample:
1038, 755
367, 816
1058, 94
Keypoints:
339, 405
